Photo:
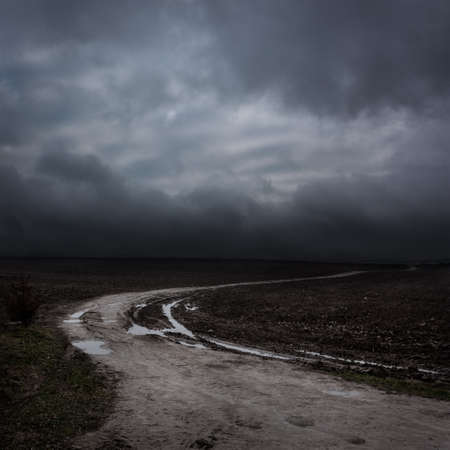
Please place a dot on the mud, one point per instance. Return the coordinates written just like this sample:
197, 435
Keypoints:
92, 347
390, 318
174, 396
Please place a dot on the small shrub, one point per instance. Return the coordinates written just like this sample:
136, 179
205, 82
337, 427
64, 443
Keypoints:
20, 301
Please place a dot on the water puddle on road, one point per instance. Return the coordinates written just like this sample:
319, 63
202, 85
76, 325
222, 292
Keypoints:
139, 330
177, 327
189, 307
92, 347
249, 350
75, 317
193, 345
361, 362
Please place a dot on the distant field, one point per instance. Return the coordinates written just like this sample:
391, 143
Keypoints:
393, 317
63, 280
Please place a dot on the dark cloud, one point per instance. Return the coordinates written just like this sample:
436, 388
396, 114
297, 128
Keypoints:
294, 129
338, 57
71, 167
340, 219
42, 22
327, 56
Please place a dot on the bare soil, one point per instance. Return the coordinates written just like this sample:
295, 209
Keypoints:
173, 396
391, 317
57, 281
74, 279
67, 394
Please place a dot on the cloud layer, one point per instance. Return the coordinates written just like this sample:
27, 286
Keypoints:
309, 129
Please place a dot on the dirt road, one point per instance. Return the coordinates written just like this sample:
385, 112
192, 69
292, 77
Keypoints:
176, 396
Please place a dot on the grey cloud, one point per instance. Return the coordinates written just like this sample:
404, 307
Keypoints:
331, 220
53, 22
155, 168
338, 57
294, 129
329, 57
71, 167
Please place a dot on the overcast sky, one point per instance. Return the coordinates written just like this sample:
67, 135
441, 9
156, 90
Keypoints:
315, 129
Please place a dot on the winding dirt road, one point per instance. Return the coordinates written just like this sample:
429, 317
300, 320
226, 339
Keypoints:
179, 396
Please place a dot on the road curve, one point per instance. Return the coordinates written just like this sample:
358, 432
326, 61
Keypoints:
173, 396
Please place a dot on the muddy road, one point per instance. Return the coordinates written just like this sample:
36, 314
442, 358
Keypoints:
178, 392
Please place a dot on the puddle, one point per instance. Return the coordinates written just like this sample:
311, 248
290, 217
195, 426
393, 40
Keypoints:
92, 347
189, 344
189, 307
138, 330
177, 327
249, 350
140, 306
361, 362
75, 317
78, 314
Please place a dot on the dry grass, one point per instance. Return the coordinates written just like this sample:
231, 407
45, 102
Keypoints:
49, 392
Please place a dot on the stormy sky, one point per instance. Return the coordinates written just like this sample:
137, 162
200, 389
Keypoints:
303, 129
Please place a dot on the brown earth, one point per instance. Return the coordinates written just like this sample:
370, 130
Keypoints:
57, 281
40, 414
75, 279
173, 396
392, 317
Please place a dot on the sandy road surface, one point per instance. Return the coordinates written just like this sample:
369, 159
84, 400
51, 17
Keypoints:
173, 396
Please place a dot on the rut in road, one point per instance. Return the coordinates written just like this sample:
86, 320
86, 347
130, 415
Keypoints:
175, 396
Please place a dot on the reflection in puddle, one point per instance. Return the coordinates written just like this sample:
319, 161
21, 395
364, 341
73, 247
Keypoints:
360, 362
177, 327
92, 347
189, 307
189, 344
78, 314
249, 350
75, 317
138, 330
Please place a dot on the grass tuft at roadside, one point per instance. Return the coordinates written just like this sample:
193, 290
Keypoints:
49, 392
